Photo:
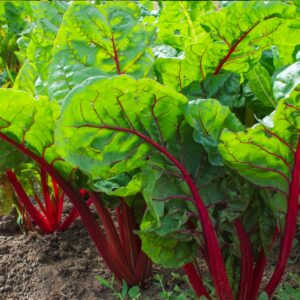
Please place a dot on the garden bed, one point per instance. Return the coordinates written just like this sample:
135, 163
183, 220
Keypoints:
62, 266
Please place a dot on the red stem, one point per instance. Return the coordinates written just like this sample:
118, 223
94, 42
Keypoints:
259, 269
47, 198
115, 244
215, 260
36, 216
127, 226
86, 215
39, 202
231, 50
259, 272
131, 243
195, 280
73, 215
246, 262
290, 226
143, 266
59, 207
55, 188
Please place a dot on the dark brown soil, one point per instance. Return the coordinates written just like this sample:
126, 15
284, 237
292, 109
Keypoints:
62, 266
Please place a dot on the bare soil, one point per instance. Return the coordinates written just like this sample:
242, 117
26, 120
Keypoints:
61, 266
64, 266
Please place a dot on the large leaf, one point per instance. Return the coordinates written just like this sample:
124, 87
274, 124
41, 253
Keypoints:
232, 41
180, 22
264, 154
30, 123
98, 40
101, 120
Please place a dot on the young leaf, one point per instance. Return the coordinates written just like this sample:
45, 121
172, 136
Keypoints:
98, 40
134, 292
104, 282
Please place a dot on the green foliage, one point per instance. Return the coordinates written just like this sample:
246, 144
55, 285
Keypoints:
101, 40
180, 22
129, 94
31, 123
263, 154
209, 118
89, 137
231, 41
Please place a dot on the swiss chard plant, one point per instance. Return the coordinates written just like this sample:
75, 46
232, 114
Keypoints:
183, 118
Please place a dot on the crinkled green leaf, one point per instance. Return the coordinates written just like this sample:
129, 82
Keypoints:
264, 154
91, 133
30, 122
121, 185
209, 118
98, 40
180, 22
286, 81
232, 41
165, 242
169, 253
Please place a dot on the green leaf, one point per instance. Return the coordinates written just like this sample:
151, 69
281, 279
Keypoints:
224, 87
134, 292
260, 83
26, 78
30, 122
264, 154
263, 296
47, 17
170, 253
180, 22
232, 41
124, 289
121, 185
209, 118
93, 130
104, 282
98, 40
